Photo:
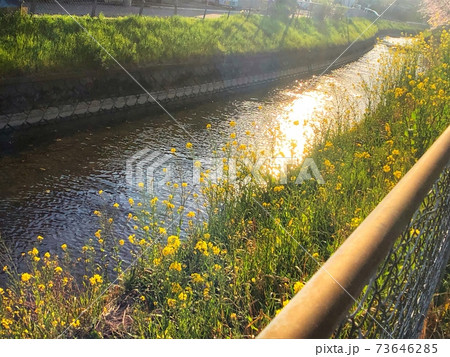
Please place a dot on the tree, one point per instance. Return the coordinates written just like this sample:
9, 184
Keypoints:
282, 9
437, 11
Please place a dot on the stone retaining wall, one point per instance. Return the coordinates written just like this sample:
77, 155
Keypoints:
27, 102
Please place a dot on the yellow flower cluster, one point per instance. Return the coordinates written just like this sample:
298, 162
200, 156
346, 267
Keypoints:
26, 276
197, 278
96, 279
298, 286
171, 302
202, 247
175, 266
362, 155
173, 243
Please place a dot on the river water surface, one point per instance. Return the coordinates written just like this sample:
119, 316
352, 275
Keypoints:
51, 188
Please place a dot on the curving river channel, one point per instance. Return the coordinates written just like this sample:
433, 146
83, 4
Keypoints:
50, 187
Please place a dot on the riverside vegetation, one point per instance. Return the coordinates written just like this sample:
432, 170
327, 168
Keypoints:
56, 43
237, 265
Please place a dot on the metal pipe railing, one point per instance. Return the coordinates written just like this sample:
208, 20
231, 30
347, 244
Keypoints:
323, 302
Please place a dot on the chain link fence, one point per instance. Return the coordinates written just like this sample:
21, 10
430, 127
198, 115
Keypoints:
162, 8
396, 301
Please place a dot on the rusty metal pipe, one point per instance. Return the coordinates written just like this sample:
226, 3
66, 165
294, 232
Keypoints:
323, 302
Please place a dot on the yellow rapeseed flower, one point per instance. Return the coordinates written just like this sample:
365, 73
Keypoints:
197, 278
173, 150
96, 279
131, 201
386, 168
25, 277
232, 123
6, 323
64, 247
58, 270
188, 145
397, 174
206, 293
173, 240
176, 288
168, 250
182, 296
298, 286
175, 266
171, 302
202, 246
116, 205
190, 214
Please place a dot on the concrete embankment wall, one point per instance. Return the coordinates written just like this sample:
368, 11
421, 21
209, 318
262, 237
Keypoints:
30, 101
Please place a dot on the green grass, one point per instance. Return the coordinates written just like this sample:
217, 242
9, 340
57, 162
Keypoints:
237, 266
55, 43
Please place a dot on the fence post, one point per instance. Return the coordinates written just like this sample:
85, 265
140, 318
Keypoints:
322, 303
94, 8
175, 10
141, 10
228, 16
348, 32
206, 9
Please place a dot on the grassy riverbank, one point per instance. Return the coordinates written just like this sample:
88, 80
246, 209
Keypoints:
54, 43
241, 264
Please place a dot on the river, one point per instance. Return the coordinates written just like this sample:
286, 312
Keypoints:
50, 187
